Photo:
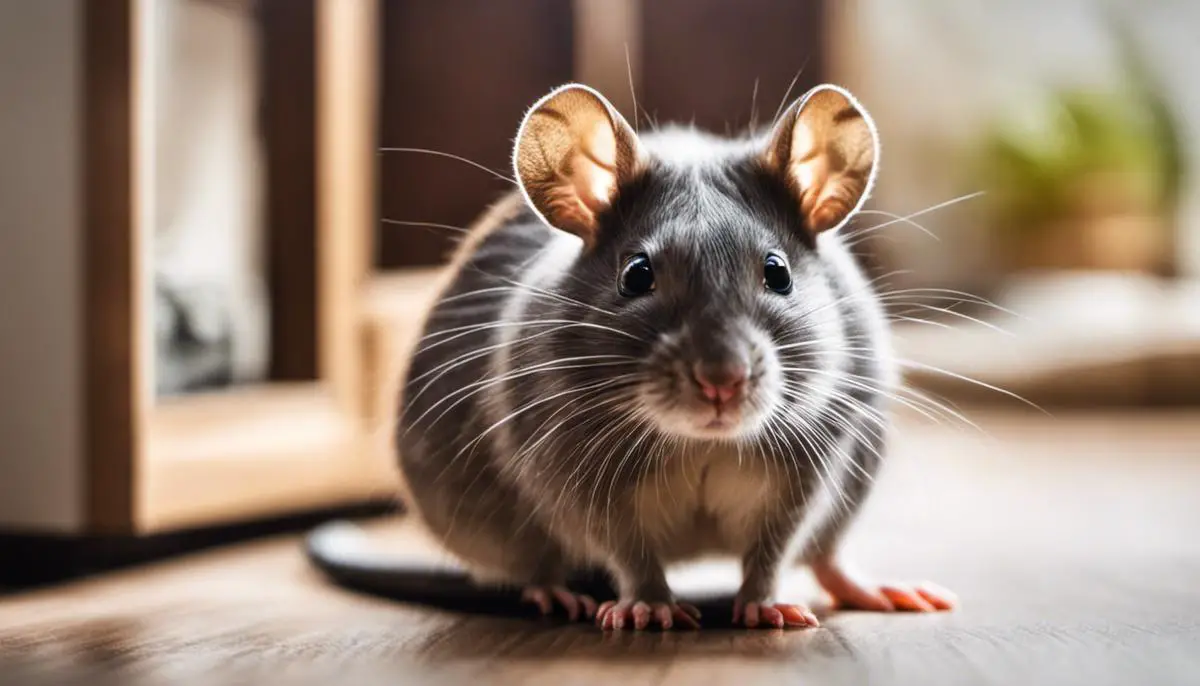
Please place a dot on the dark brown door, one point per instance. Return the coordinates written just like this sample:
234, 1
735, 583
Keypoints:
458, 74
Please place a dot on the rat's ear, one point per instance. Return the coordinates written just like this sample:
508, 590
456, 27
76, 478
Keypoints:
573, 150
826, 149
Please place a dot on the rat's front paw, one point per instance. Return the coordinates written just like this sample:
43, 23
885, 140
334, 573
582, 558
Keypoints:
637, 614
849, 592
770, 615
546, 597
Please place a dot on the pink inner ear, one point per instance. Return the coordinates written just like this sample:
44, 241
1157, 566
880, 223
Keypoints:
830, 173
568, 209
807, 163
594, 166
809, 169
572, 152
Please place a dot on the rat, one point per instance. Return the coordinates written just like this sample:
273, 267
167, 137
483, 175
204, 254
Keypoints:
658, 348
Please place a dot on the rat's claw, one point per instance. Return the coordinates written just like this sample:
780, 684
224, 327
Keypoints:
641, 616
540, 597
850, 592
545, 597
663, 614
604, 618
607, 614
924, 597
616, 615
797, 615
750, 615
686, 615
776, 615
940, 597
575, 605
588, 605
568, 602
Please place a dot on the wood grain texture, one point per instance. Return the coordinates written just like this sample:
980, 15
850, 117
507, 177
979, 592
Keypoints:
1071, 541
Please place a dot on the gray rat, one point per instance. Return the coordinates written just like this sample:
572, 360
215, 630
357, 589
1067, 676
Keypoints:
659, 349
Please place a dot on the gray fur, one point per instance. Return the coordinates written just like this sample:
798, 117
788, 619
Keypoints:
560, 466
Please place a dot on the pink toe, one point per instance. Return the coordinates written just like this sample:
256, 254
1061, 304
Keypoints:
662, 615
604, 615
641, 615
941, 598
589, 605
568, 602
793, 615
622, 614
538, 597
906, 599
751, 615
685, 618
771, 616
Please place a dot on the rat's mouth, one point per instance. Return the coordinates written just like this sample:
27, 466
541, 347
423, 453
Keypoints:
718, 417
705, 421
719, 423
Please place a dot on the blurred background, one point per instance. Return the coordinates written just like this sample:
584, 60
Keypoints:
1037, 177
221, 222
1077, 122
1043, 152
272, 182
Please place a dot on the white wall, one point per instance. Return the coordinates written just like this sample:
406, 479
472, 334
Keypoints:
41, 466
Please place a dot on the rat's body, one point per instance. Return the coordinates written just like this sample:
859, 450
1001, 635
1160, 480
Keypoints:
689, 364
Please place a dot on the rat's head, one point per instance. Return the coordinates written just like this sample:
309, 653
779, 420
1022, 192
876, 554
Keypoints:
703, 253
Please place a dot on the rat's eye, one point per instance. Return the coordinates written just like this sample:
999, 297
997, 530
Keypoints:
637, 278
776, 275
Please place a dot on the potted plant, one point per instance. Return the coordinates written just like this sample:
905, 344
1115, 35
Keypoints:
1087, 179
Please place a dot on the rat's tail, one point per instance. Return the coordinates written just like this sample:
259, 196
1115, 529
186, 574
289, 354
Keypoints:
343, 553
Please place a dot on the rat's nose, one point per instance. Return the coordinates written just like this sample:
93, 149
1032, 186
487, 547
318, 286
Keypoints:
720, 382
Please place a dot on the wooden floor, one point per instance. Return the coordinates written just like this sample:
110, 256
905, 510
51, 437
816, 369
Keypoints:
1072, 541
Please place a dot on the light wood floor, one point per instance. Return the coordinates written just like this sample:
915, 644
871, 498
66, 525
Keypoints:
1072, 541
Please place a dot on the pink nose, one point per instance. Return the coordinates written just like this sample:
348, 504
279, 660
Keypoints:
720, 383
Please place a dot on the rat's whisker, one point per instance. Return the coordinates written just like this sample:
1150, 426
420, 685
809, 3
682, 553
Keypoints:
428, 225
566, 323
927, 210
910, 364
477, 387
452, 156
632, 89
788, 92
754, 107
906, 220
953, 313
465, 358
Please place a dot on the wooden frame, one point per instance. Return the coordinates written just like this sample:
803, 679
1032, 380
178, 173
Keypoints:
258, 451
283, 447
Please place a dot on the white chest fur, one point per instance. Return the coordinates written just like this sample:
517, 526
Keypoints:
705, 501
